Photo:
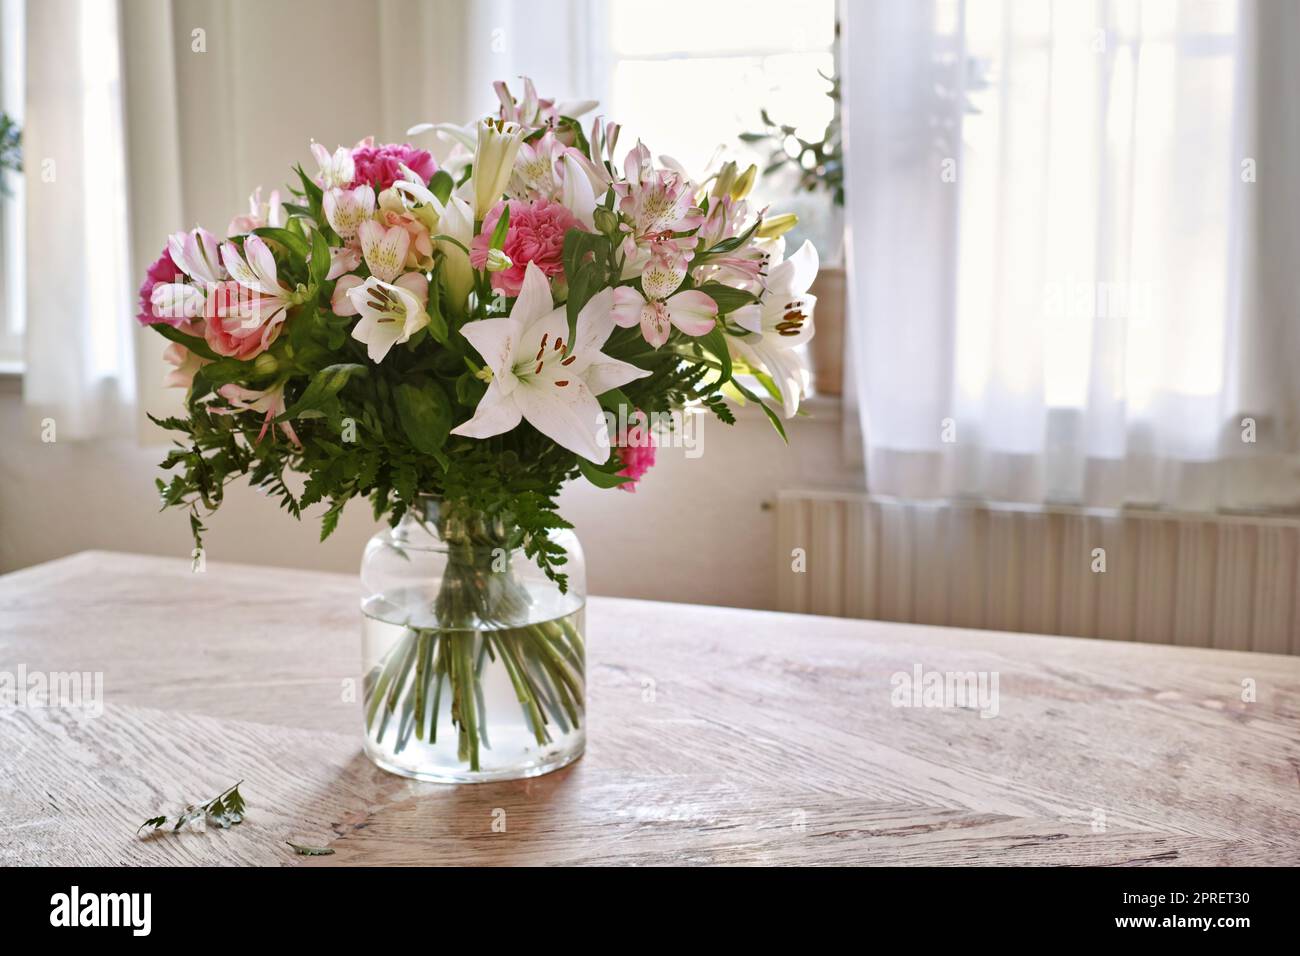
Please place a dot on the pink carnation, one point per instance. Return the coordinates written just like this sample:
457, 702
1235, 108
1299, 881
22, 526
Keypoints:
535, 234
162, 272
379, 166
635, 448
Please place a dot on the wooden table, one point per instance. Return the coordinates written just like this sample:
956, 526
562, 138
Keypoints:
716, 736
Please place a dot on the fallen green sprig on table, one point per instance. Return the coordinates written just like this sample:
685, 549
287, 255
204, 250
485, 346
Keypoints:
224, 811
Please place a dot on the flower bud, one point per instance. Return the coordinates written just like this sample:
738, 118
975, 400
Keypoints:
777, 226
726, 179
265, 364
744, 183
606, 220
498, 261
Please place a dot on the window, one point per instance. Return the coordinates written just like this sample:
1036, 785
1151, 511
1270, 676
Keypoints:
733, 58
12, 308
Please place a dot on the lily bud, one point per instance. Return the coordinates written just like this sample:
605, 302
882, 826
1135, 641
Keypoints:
726, 180
777, 226
498, 261
494, 161
740, 189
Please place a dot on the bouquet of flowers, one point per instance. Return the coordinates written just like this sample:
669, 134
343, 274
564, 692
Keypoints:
473, 334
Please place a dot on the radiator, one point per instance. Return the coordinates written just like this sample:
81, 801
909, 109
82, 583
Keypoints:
1196, 580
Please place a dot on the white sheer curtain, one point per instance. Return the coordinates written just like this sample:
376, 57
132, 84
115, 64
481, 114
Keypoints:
78, 348
1066, 226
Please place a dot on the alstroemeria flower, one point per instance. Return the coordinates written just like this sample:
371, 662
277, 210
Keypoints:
662, 306
270, 401
260, 213
196, 254
655, 200
343, 259
391, 312
532, 111
455, 220
185, 365
534, 175
335, 171
781, 320
384, 249
347, 209
253, 323
533, 379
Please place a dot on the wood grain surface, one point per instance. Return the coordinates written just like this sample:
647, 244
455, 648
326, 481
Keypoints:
716, 736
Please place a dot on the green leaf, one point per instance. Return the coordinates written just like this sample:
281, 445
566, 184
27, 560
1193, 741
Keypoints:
715, 343
294, 243
598, 476
327, 383
437, 321
772, 416
309, 850
502, 227
425, 414
613, 399
441, 185
320, 258
727, 298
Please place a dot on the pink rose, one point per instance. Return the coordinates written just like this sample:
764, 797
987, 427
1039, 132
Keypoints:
635, 448
379, 166
162, 272
535, 234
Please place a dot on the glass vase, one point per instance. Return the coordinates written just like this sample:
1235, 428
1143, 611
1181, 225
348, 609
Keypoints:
473, 657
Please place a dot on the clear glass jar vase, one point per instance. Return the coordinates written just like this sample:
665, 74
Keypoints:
474, 658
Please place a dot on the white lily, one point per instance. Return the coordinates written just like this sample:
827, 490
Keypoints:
347, 209
391, 312
780, 321
494, 161
336, 171
577, 194
533, 379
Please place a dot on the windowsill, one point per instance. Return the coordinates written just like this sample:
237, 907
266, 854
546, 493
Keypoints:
11, 378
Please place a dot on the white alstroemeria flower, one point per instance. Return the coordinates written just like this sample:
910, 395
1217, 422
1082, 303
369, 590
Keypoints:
268, 212
391, 312
663, 306
532, 379
256, 271
384, 249
336, 171
494, 162
347, 209
780, 321
197, 254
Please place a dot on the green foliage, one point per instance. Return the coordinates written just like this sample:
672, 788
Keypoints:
309, 850
818, 164
11, 149
224, 811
